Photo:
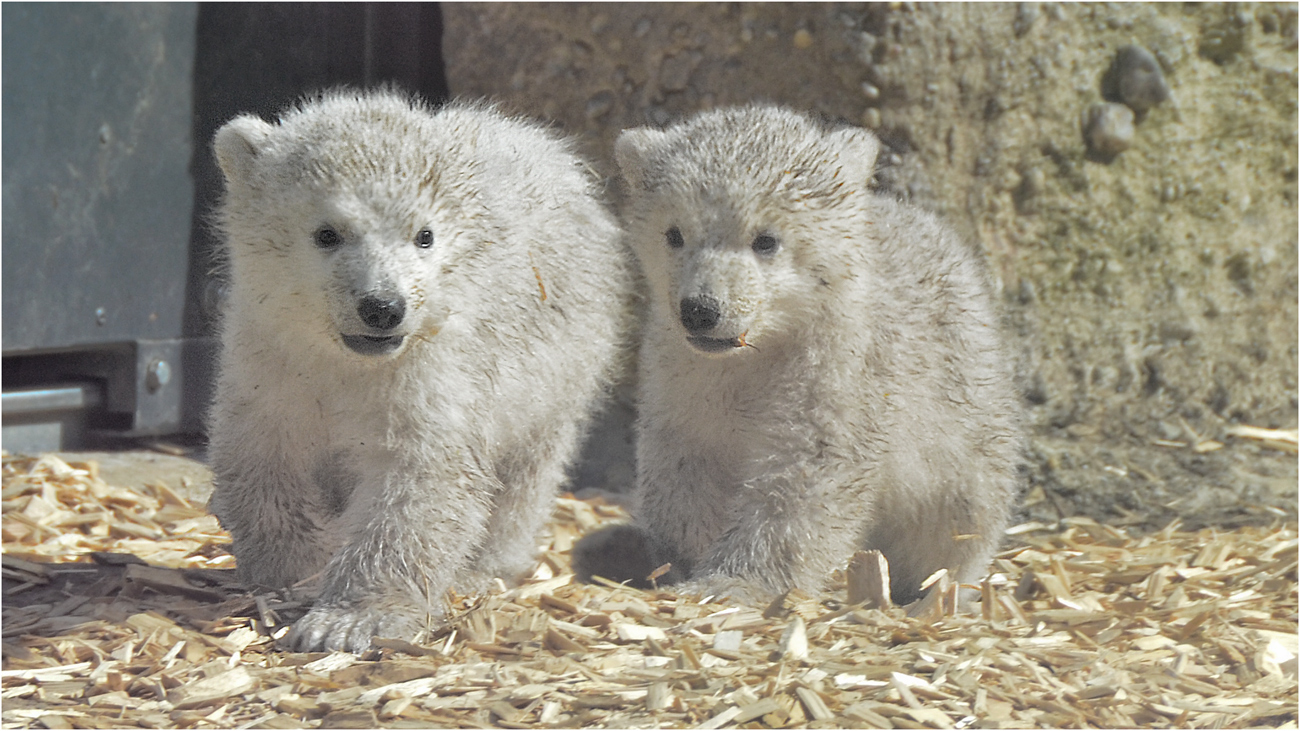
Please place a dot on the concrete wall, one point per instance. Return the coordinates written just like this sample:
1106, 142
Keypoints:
1152, 292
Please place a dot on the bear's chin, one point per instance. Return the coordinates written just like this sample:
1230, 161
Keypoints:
373, 345
715, 346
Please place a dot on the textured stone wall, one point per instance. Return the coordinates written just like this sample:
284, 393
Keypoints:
1150, 279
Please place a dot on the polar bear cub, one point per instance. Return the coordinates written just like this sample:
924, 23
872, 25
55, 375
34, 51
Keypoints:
424, 308
821, 371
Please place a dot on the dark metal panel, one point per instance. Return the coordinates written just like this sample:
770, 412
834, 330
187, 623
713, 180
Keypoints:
97, 196
110, 270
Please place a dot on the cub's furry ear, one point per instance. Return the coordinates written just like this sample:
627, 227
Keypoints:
238, 144
633, 152
858, 151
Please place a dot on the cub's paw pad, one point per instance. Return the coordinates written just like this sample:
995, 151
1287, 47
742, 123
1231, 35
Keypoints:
350, 628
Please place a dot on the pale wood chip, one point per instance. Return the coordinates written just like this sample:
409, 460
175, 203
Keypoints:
638, 633
814, 704
757, 709
793, 644
212, 690
721, 719
868, 580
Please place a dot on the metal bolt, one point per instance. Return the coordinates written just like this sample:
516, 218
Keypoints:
158, 375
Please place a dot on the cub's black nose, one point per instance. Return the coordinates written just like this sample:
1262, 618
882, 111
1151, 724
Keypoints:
700, 314
382, 313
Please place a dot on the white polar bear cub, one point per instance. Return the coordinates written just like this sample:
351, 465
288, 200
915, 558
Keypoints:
423, 310
822, 369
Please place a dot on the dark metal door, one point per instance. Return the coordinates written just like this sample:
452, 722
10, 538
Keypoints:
109, 293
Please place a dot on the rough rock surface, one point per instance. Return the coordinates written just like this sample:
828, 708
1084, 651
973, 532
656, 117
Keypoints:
1154, 293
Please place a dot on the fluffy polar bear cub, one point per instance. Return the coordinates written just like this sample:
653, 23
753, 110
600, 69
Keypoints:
424, 308
821, 372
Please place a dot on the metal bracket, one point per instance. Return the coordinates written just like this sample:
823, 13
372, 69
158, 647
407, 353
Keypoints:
172, 386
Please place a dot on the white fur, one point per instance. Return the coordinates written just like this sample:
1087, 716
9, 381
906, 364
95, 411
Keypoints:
404, 473
860, 395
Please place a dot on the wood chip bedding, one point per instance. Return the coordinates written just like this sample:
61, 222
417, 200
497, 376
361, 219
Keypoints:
120, 609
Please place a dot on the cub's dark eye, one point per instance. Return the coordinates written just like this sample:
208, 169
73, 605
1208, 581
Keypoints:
328, 238
424, 239
674, 236
765, 243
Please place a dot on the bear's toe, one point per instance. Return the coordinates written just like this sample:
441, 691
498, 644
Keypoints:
350, 628
726, 588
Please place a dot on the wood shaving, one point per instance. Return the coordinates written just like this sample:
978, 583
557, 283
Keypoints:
1282, 439
121, 610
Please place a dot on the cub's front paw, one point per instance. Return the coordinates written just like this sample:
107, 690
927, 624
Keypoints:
350, 627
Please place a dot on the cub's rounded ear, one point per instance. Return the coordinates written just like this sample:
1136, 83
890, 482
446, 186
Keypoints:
633, 152
237, 145
858, 151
